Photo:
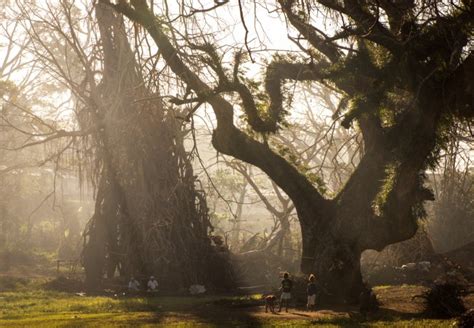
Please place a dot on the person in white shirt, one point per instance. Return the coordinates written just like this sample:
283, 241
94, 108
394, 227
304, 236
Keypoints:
133, 285
152, 284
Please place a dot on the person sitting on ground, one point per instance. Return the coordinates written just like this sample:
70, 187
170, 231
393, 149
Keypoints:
311, 290
152, 284
286, 286
133, 284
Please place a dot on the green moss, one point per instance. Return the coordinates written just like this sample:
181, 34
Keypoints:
387, 187
295, 160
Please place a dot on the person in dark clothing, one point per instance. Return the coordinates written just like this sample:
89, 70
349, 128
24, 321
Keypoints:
311, 291
286, 286
368, 301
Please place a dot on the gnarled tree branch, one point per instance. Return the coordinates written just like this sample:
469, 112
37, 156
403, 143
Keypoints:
226, 137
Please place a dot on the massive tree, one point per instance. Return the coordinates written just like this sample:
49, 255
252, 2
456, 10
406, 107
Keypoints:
150, 215
403, 70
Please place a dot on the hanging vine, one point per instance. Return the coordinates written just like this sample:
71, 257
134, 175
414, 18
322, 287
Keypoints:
150, 217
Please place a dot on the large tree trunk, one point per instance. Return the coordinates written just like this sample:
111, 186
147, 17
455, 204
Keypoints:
336, 264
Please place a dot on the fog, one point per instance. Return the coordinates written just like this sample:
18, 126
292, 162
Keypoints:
216, 145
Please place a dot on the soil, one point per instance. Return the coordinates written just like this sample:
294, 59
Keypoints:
396, 302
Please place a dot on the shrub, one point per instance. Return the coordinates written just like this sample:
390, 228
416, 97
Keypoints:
444, 300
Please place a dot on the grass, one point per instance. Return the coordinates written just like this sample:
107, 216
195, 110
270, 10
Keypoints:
40, 308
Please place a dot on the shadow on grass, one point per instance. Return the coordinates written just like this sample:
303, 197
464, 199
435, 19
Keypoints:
208, 311
217, 313
227, 312
249, 318
355, 319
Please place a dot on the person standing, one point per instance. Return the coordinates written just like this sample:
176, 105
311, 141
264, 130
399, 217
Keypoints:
286, 286
311, 291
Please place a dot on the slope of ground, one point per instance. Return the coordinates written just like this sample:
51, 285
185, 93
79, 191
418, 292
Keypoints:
39, 308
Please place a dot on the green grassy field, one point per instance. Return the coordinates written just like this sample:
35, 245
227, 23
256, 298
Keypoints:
41, 308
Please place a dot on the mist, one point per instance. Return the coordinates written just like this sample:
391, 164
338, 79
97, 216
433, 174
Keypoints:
248, 157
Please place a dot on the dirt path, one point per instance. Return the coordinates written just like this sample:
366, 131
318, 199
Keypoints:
398, 302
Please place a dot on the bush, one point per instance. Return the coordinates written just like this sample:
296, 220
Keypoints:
444, 300
8, 283
64, 284
467, 319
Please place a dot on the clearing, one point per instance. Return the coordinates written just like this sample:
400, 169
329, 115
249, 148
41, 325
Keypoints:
31, 305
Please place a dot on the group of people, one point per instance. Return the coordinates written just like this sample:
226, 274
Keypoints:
134, 285
287, 286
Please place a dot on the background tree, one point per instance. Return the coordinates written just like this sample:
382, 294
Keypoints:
39, 201
453, 212
227, 194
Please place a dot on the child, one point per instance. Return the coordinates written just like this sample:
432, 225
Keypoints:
311, 290
286, 286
